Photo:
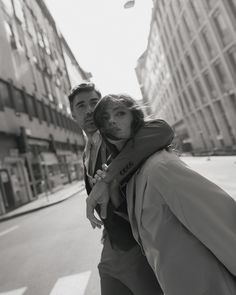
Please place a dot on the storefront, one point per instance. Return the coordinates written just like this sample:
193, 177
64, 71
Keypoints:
14, 182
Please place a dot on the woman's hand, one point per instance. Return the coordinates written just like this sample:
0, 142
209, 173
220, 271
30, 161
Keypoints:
98, 196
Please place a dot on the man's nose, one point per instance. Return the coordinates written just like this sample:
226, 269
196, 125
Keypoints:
89, 109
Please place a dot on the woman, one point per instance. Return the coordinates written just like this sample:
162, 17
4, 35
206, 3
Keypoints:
185, 224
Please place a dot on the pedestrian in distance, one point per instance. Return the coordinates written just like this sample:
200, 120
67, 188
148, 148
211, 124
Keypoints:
123, 268
185, 224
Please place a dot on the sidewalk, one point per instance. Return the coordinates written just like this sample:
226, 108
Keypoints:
44, 201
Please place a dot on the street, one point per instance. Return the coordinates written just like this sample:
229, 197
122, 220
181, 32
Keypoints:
55, 251
221, 170
52, 251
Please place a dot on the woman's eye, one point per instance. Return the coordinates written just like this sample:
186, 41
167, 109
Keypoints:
121, 113
105, 117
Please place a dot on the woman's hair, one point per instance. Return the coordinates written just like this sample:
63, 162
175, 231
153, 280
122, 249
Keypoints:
124, 100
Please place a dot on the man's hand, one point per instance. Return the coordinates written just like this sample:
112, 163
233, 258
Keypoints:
98, 196
100, 174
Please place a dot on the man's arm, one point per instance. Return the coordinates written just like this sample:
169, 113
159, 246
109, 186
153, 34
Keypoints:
153, 136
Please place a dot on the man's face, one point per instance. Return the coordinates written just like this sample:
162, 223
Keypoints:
82, 110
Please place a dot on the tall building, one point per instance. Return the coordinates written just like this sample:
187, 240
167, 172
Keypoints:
40, 143
188, 72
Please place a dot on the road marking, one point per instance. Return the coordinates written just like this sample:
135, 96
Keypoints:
71, 285
20, 291
8, 231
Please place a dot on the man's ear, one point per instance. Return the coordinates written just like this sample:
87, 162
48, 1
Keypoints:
73, 115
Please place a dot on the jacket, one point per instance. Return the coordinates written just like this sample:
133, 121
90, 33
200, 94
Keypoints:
186, 226
158, 134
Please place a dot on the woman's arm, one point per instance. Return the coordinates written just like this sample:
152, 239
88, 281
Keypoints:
206, 210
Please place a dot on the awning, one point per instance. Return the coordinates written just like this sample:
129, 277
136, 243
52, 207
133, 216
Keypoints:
48, 159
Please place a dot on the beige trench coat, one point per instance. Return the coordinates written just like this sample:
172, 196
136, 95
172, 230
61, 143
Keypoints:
186, 226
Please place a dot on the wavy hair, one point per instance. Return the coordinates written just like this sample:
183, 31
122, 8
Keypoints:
124, 100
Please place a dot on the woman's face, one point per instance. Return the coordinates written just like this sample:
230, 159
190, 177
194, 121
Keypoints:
117, 120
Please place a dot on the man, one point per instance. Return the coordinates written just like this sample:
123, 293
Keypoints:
123, 268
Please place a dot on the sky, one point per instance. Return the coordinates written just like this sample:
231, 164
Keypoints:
105, 38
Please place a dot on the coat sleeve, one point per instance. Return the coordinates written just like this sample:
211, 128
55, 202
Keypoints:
201, 206
153, 136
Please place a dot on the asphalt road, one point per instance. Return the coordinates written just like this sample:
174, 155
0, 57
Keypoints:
55, 251
52, 251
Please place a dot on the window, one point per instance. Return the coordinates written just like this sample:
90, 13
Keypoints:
209, 4
193, 97
47, 45
39, 110
186, 100
196, 124
222, 76
47, 112
187, 25
190, 64
209, 44
5, 95
198, 55
223, 30
172, 56
169, 25
180, 37
232, 7
179, 78
176, 49
179, 4
213, 119
232, 60
194, 5
172, 12
183, 71
30, 25
54, 117
40, 39
232, 98
210, 84
221, 110
18, 10
182, 105
50, 114
31, 105
203, 120
8, 6
10, 35
19, 101
201, 93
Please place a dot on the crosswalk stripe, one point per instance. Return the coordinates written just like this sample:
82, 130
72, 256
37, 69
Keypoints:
8, 231
20, 291
71, 285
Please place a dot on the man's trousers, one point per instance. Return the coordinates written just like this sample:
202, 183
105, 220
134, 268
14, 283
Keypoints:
126, 272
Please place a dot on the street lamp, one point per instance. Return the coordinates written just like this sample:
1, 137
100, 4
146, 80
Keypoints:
129, 4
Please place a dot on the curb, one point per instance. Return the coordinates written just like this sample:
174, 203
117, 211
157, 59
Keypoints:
39, 208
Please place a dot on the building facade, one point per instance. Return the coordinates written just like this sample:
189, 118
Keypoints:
188, 74
40, 143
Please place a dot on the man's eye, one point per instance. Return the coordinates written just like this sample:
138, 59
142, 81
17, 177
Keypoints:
93, 103
80, 106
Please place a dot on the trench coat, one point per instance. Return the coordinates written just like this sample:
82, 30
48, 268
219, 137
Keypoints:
186, 226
